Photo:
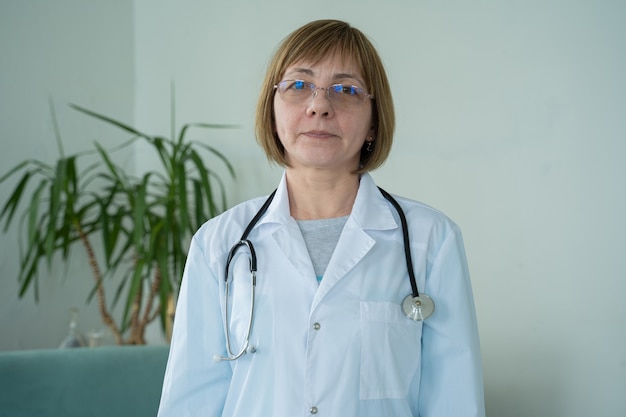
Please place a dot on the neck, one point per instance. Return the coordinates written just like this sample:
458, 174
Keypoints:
315, 197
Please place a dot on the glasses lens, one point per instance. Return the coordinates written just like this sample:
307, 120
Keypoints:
346, 94
343, 95
294, 90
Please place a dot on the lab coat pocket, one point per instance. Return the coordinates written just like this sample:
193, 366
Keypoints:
390, 350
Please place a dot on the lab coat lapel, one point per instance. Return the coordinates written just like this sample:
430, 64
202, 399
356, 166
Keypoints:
288, 236
371, 211
351, 248
289, 239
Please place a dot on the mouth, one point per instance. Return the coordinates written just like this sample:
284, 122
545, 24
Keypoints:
320, 134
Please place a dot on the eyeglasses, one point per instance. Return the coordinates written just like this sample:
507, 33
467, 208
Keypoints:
340, 95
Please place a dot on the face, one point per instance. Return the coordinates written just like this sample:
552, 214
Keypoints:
316, 133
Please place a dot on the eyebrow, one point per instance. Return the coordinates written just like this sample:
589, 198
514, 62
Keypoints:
337, 76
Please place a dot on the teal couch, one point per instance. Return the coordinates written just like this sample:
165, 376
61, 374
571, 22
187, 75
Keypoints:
111, 381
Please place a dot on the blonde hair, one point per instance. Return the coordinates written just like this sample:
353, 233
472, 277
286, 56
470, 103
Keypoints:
313, 42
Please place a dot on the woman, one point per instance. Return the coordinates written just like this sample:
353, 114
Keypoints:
328, 334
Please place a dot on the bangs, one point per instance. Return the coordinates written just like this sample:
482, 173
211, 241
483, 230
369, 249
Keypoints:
317, 44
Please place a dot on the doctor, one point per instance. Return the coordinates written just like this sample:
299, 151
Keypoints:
328, 334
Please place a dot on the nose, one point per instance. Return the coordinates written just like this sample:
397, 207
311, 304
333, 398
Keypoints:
320, 104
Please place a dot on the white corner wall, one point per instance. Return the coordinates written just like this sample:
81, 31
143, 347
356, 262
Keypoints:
64, 51
510, 120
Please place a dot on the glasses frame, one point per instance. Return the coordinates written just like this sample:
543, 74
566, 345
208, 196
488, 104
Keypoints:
314, 89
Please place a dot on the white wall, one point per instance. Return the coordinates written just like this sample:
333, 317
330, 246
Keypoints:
510, 120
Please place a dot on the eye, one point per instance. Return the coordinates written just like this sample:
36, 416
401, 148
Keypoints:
296, 85
346, 89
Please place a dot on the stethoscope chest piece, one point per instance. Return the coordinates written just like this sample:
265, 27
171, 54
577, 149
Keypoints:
418, 308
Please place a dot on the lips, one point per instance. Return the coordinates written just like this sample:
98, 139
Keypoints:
318, 134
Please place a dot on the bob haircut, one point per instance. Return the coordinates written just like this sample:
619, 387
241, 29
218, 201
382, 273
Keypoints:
313, 42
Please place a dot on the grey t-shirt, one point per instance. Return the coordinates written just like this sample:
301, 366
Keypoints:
321, 237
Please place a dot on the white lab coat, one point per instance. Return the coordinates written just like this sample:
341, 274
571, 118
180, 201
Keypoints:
341, 348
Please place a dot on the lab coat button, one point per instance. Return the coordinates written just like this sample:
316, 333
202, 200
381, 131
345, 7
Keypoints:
316, 326
313, 410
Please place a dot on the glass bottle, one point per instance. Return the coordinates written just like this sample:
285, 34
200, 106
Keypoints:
74, 338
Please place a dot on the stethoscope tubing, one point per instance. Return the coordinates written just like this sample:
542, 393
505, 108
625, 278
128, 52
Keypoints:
406, 240
253, 268
411, 304
388, 197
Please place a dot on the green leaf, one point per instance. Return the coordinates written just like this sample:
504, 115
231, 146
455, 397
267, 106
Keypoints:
165, 288
139, 211
205, 182
13, 170
135, 285
109, 120
56, 189
198, 197
117, 175
14, 200
164, 156
181, 202
55, 124
183, 131
33, 212
221, 156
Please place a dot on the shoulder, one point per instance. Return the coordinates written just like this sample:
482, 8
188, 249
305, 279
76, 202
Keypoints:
223, 230
424, 211
426, 221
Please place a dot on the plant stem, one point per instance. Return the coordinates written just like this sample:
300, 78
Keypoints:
106, 317
148, 316
136, 331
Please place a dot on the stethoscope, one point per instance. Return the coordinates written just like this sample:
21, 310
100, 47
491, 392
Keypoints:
415, 306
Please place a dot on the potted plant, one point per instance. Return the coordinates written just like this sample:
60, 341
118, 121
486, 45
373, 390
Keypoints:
144, 224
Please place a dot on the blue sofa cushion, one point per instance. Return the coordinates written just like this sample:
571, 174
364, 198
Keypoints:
84, 382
